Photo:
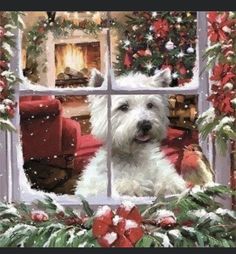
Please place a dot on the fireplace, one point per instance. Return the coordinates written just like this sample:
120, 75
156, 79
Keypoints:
70, 59
73, 62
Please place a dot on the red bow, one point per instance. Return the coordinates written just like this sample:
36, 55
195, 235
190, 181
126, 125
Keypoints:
118, 229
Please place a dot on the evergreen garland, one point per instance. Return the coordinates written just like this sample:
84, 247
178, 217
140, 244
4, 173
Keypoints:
8, 22
191, 219
220, 120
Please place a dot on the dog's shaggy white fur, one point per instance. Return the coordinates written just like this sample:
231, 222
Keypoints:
139, 123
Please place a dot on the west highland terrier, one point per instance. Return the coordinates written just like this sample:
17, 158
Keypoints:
139, 124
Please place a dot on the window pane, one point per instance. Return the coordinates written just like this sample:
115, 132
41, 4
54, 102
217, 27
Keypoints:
58, 142
154, 40
59, 49
142, 131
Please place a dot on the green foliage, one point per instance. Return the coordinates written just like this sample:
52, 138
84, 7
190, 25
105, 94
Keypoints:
221, 126
138, 27
216, 227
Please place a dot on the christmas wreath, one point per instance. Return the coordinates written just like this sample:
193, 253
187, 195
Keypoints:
220, 119
191, 219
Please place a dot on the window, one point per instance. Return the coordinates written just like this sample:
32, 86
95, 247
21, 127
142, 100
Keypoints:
17, 187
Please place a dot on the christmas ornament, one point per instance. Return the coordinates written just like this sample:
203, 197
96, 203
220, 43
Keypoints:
169, 45
134, 28
128, 60
147, 52
190, 50
228, 86
167, 222
39, 216
161, 28
195, 167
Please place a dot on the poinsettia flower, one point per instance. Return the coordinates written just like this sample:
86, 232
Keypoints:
121, 228
223, 73
161, 27
219, 26
222, 101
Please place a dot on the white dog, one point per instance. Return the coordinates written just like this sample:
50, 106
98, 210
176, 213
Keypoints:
139, 123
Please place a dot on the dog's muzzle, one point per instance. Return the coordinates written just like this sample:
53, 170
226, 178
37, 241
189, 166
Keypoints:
143, 135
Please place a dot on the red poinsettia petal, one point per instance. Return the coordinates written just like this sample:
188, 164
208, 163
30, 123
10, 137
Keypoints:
107, 240
123, 242
135, 215
123, 211
134, 234
213, 36
105, 215
222, 35
212, 16
99, 227
227, 77
120, 228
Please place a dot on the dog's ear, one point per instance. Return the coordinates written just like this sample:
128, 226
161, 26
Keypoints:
162, 78
96, 78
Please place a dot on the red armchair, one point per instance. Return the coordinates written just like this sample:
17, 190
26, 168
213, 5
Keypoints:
47, 135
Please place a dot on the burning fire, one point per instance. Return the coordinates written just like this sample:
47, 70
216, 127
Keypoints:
69, 55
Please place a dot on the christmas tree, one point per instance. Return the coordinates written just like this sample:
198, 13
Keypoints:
156, 40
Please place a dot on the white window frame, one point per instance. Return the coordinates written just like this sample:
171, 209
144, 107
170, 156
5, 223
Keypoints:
10, 186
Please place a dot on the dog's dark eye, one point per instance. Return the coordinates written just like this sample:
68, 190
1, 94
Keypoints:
150, 105
124, 107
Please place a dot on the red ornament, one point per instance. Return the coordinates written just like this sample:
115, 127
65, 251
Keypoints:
161, 28
118, 229
182, 70
39, 216
148, 52
167, 222
219, 26
128, 59
2, 32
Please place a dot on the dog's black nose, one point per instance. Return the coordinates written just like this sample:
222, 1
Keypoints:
144, 125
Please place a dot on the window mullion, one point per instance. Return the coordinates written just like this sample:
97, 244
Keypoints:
109, 90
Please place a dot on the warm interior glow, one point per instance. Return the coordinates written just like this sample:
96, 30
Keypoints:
70, 55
